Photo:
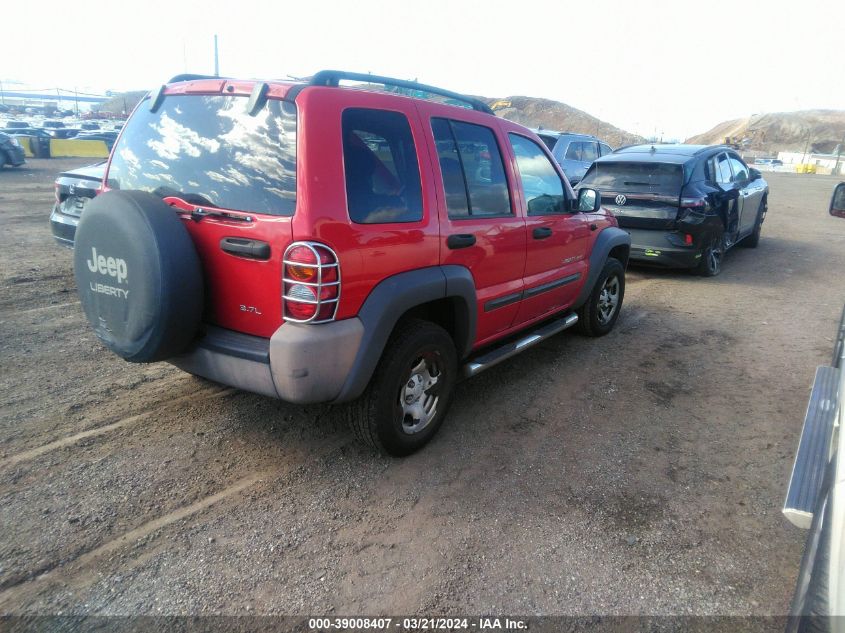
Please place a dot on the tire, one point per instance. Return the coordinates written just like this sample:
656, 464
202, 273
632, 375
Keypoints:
754, 239
711, 257
599, 314
379, 418
138, 275
4, 159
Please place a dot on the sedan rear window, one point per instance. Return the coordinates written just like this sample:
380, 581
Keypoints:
662, 178
208, 150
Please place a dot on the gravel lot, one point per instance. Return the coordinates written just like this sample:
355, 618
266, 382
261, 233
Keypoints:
641, 473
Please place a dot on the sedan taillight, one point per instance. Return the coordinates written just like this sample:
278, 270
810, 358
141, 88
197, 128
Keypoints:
311, 283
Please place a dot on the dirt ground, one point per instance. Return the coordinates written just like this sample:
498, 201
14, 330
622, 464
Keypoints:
640, 473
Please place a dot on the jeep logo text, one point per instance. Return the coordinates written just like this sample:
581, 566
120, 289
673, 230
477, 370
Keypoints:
111, 266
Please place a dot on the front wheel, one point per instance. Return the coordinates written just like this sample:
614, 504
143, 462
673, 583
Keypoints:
598, 315
754, 239
410, 391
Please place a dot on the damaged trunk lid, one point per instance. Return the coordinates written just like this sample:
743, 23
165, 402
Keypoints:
642, 195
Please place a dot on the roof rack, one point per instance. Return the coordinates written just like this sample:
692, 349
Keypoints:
334, 77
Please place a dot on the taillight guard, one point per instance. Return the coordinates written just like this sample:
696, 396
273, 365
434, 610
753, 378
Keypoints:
325, 295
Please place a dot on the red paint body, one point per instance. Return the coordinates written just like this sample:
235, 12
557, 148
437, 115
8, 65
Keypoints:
246, 295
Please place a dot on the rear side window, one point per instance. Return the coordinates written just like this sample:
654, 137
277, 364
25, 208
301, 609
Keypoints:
623, 177
549, 141
573, 152
584, 151
723, 169
380, 163
208, 150
542, 186
472, 168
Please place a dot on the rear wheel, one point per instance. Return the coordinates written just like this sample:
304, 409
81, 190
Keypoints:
598, 315
711, 258
410, 391
4, 159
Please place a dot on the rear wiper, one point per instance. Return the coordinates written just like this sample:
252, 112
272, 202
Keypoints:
198, 213
637, 184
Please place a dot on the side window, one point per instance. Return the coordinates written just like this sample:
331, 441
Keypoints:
740, 170
472, 168
605, 149
542, 186
589, 152
382, 172
723, 169
548, 140
573, 152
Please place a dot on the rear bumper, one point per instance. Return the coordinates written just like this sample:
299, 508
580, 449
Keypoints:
63, 226
303, 364
663, 248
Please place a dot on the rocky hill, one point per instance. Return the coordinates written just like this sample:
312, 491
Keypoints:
781, 131
554, 115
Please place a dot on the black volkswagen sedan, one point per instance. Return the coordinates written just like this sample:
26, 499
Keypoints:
74, 189
684, 205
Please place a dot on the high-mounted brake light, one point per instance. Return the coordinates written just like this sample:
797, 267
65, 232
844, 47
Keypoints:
311, 283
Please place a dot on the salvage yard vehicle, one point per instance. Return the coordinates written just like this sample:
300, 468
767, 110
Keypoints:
683, 205
574, 152
815, 498
318, 242
74, 189
11, 151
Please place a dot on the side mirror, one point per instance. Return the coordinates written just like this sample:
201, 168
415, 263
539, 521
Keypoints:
837, 202
754, 174
588, 201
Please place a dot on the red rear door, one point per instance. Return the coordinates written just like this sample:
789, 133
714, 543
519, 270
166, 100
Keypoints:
480, 226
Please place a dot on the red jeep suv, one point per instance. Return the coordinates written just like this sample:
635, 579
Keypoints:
314, 242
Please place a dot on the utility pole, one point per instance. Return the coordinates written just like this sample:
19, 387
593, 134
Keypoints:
76, 98
216, 62
806, 147
838, 156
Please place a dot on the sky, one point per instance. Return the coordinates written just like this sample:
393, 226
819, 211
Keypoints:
670, 69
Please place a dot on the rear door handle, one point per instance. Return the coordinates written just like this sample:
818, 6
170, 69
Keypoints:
542, 233
241, 247
460, 240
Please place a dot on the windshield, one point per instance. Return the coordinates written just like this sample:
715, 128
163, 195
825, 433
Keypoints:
661, 178
209, 150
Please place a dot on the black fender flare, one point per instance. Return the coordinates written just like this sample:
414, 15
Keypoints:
393, 297
607, 240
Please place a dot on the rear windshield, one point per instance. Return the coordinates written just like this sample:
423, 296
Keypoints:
208, 150
662, 178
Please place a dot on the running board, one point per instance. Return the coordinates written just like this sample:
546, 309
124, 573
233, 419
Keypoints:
813, 448
496, 356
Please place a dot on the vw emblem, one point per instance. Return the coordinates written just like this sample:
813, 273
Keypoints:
620, 199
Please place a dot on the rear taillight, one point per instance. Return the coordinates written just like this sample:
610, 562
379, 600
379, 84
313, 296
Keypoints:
311, 283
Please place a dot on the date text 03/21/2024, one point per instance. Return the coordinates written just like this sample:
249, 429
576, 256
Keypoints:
417, 624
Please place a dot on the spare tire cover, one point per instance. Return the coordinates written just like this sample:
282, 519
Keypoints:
138, 274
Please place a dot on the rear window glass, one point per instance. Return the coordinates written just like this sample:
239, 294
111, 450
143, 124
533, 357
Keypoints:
469, 156
208, 150
659, 178
382, 172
